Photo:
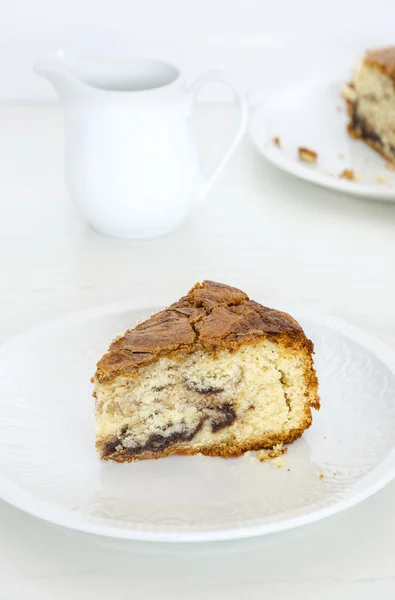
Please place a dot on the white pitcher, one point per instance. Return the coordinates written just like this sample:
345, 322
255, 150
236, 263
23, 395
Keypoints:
131, 162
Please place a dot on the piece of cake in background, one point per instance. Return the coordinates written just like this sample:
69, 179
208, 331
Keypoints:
215, 373
370, 99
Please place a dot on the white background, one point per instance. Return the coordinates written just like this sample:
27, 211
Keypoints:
249, 37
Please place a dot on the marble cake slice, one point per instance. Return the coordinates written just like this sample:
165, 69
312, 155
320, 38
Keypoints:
215, 373
370, 100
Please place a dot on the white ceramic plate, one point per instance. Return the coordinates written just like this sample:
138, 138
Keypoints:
48, 465
313, 115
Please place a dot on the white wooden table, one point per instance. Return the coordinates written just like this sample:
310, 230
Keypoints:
277, 238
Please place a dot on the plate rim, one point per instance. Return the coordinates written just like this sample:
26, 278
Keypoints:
50, 513
301, 170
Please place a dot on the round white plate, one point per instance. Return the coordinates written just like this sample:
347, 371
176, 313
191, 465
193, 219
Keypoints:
48, 465
314, 115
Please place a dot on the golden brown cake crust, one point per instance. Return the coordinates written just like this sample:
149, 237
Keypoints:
383, 59
210, 317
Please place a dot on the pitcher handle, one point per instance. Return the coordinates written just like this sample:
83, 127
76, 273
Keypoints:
226, 78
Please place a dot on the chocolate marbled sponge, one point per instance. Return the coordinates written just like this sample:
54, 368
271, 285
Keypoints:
370, 100
215, 373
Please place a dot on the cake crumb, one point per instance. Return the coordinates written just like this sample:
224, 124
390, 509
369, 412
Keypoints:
278, 462
273, 455
348, 174
288, 470
381, 180
334, 473
306, 155
340, 155
321, 475
250, 457
277, 142
390, 166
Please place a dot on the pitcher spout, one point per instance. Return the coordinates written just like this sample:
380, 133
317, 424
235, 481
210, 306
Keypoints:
60, 75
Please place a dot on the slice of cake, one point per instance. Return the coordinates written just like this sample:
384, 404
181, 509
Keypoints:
371, 101
215, 373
